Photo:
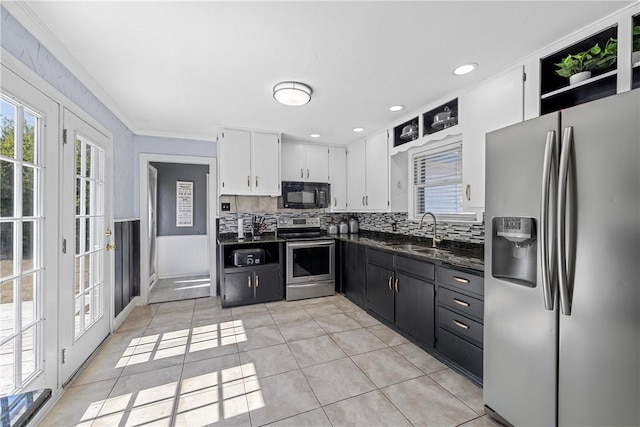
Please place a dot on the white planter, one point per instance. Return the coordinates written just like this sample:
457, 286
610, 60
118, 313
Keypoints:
635, 57
579, 77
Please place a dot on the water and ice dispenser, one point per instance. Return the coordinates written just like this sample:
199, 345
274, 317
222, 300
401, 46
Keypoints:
514, 250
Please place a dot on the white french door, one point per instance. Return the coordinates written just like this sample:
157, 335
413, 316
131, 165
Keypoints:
28, 236
86, 288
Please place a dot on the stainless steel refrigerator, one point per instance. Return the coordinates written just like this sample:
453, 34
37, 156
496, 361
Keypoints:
562, 267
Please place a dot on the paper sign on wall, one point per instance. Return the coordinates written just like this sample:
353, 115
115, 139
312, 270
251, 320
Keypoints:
184, 204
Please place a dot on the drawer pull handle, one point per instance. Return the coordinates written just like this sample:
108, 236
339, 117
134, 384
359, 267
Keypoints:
460, 325
397, 280
460, 279
462, 303
390, 279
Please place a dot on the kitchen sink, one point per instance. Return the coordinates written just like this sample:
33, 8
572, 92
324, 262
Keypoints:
430, 251
418, 248
409, 247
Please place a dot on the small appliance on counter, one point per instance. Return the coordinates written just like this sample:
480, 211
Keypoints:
332, 228
354, 227
244, 257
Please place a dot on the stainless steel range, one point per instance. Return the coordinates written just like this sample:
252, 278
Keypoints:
310, 258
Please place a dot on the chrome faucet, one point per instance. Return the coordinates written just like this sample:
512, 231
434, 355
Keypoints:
435, 227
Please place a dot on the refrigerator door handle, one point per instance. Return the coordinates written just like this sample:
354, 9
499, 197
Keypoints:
546, 229
565, 157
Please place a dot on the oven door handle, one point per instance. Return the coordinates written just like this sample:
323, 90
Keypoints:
311, 244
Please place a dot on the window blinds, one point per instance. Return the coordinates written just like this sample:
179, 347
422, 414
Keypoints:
437, 179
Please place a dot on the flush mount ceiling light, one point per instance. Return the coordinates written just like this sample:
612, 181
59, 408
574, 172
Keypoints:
465, 69
315, 135
292, 93
358, 129
396, 108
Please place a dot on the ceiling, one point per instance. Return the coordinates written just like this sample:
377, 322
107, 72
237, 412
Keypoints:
182, 68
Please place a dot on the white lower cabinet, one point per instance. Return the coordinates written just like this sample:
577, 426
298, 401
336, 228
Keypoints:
249, 162
338, 178
493, 105
368, 174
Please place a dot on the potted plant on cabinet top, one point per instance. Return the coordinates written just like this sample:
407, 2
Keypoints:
578, 67
635, 56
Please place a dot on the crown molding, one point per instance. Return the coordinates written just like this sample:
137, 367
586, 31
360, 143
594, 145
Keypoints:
21, 11
205, 137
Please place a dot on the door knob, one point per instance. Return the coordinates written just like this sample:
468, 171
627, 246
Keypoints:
111, 247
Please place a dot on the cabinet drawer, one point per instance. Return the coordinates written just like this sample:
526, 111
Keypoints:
463, 281
460, 351
421, 269
463, 303
460, 325
380, 258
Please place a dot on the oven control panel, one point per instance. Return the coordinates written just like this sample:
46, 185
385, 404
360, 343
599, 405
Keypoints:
288, 222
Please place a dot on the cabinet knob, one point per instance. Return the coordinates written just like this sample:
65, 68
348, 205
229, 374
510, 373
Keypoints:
248, 281
257, 280
256, 181
307, 173
248, 181
397, 280
460, 279
301, 173
467, 192
390, 279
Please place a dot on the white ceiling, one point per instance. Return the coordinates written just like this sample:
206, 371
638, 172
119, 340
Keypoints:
178, 68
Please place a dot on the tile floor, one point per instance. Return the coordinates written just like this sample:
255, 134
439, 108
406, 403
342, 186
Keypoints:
180, 288
192, 363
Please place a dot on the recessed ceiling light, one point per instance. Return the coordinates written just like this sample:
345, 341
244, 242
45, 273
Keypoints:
358, 129
294, 94
396, 108
315, 135
465, 69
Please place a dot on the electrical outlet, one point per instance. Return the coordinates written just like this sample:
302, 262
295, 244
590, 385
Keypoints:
226, 207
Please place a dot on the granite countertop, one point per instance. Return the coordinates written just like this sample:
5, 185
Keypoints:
232, 239
457, 254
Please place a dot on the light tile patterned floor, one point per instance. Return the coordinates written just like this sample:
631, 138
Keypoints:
320, 362
180, 288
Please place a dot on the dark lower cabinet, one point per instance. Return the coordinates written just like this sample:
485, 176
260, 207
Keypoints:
399, 291
380, 281
415, 307
460, 317
354, 259
245, 285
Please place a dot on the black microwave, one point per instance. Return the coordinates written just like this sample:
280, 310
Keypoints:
305, 195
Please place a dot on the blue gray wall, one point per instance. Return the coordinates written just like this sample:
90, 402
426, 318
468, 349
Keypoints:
168, 174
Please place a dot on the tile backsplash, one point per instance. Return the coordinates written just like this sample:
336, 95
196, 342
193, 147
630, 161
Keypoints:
374, 221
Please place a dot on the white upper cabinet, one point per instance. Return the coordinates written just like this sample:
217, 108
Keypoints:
249, 162
265, 160
338, 178
305, 162
495, 104
377, 174
368, 174
355, 176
